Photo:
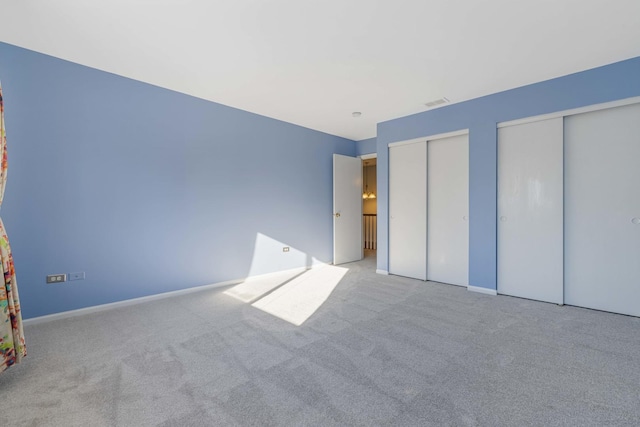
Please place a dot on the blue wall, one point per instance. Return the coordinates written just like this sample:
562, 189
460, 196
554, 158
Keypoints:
366, 146
149, 190
612, 82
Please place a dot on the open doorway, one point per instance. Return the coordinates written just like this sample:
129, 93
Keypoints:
369, 208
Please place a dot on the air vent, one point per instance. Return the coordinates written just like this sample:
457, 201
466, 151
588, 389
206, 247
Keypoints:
437, 102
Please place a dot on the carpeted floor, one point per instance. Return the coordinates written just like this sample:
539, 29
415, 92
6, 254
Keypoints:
382, 350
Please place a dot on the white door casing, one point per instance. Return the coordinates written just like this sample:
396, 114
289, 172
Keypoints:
347, 209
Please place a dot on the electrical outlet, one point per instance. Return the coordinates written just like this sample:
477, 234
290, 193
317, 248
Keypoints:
56, 278
285, 249
76, 276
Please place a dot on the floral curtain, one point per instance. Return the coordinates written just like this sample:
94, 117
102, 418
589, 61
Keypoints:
12, 348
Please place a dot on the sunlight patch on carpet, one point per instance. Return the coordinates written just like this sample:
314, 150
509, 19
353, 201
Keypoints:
255, 287
298, 299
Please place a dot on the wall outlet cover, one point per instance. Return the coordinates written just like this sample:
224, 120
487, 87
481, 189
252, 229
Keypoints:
76, 276
56, 278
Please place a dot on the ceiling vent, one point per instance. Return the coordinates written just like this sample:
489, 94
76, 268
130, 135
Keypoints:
437, 102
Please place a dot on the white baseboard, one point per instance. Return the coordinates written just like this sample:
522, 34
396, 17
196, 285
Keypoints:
140, 300
385, 272
481, 290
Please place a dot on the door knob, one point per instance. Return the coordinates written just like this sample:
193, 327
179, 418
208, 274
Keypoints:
337, 215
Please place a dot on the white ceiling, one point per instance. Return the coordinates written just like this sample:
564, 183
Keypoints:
314, 62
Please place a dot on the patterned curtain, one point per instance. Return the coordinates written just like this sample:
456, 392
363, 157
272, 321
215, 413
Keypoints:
12, 348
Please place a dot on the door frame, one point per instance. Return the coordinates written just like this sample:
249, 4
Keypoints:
362, 158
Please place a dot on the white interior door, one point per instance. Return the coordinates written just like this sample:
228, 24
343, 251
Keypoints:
408, 210
530, 211
347, 209
602, 210
448, 210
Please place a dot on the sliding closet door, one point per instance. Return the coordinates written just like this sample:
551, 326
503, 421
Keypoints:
602, 210
408, 210
530, 211
448, 210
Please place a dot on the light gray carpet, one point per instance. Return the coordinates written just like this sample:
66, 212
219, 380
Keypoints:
382, 350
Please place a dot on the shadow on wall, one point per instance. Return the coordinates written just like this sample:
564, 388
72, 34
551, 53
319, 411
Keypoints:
292, 295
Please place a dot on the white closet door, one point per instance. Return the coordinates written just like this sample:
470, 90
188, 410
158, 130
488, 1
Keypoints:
448, 210
530, 211
408, 210
602, 210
